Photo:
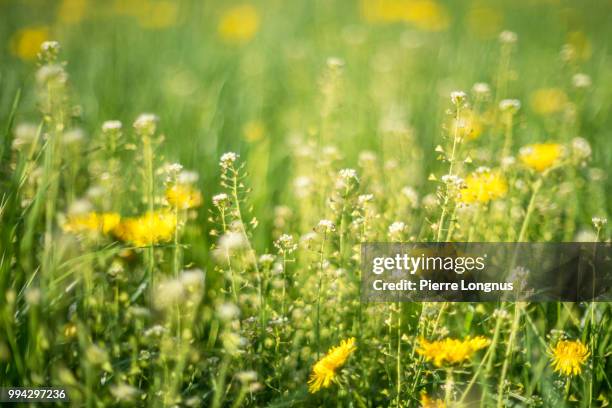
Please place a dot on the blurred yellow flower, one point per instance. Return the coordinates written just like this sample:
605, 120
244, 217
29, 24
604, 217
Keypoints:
26, 42
148, 229
426, 15
324, 371
71, 11
483, 187
468, 125
183, 196
427, 402
484, 22
92, 222
254, 131
239, 23
581, 47
159, 14
451, 351
541, 156
548, 100
568, 357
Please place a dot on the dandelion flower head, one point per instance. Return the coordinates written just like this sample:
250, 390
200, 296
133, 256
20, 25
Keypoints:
541, 156
451, 351
482, 187
324, 370
568, 356
149, 229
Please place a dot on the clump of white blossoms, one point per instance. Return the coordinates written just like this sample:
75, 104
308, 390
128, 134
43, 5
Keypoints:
458, 98
510, 105
508, 37
326, 226
231, 241
111, 126
581, 80
285, 244
599, 222
227, 311
397, 227
25, 134
411, 195
266, 259
347, 178
228, 159
146, 124
581, 149
335, 63
220, 200
481, 89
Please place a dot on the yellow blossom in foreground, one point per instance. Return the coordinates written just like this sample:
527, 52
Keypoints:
548, 100
427, 402
324, 371
483, 187
451, 351
541, 156
92, 222
149, 229
26, 42
183, 196
568, 357
239, 23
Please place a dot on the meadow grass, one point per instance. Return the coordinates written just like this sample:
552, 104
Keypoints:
207, 253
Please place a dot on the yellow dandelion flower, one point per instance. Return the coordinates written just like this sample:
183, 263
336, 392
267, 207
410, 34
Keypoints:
484, 21
427, 402
183, 196
324, 371
26, 42
92, 222
239, 24
72, 11
468, 125
541, 156
483, 187
548, 100
426, 15
149, 229
157, 15
568, 356
451, 351
254, 131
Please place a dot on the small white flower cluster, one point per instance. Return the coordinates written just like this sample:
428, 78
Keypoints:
458, 98
326, 226
581, 80
146, 124
481, 89
111, 126
227, 160
509, 106
581, 149
508, 37
220, 200
285, 244
396, 228
452, 180
599, 222
187, 287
